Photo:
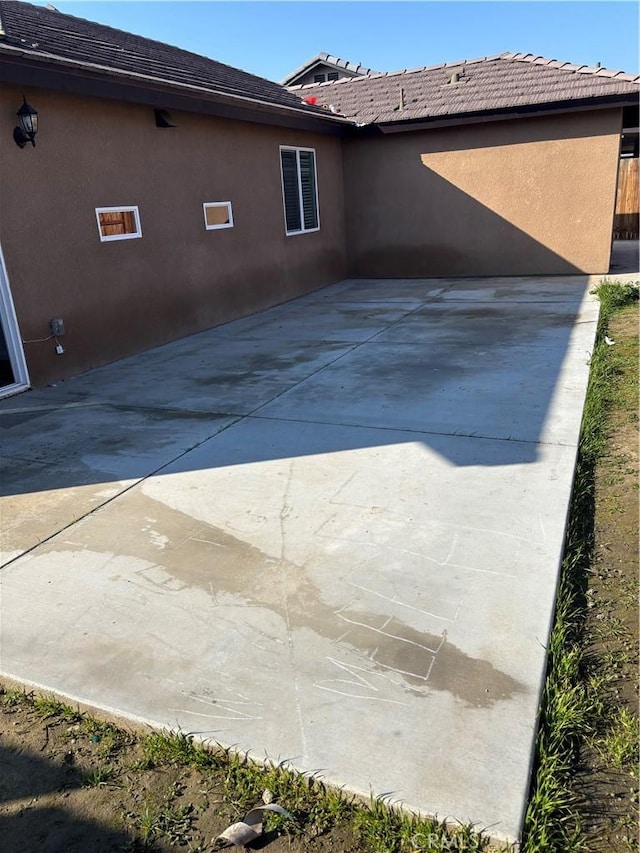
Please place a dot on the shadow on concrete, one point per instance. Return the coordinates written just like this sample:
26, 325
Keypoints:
373, 364
625, 258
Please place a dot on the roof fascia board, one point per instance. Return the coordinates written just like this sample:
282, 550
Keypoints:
329, 64
302, 69
609, 102
49, 72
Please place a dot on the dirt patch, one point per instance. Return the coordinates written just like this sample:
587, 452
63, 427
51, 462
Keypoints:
71, 783
607, 783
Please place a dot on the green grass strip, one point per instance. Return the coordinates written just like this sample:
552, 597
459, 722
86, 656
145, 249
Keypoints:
569, 712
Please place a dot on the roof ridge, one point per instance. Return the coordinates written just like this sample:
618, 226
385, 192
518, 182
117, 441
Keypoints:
560, 65
398, 73
531, 58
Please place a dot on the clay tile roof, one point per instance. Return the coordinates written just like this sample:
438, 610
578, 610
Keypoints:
47, 34
486, 85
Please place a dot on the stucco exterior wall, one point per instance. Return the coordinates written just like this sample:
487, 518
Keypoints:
121, 297
528, 197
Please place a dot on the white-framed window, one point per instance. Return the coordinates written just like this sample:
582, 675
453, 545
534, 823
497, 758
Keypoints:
299, 189
217, 214
118, 223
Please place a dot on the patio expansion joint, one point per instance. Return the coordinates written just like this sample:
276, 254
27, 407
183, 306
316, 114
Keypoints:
333, 361
48, 407
253, 416
113, 498
12, 458
206, 413
512, 301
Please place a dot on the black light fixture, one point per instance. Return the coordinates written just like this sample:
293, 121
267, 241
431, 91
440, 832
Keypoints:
28, 118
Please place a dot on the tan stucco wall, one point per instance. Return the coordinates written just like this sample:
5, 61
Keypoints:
526, 197
122, 297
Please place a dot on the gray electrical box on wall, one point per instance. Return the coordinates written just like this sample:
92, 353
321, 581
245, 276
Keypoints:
57, 326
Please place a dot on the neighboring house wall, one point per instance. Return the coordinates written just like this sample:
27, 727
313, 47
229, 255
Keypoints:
122, 297
524, 197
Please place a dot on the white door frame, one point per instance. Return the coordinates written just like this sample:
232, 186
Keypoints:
12, 336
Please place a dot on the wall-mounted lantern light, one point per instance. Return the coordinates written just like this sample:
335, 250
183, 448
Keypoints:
28, 118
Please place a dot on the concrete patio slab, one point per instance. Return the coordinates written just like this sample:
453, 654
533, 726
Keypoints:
340, 548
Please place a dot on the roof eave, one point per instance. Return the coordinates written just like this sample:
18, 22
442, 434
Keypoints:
529, 111
47, 71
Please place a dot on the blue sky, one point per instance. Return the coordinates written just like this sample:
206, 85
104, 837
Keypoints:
273, 38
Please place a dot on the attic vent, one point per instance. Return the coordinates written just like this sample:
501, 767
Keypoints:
163, 119
454, 75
